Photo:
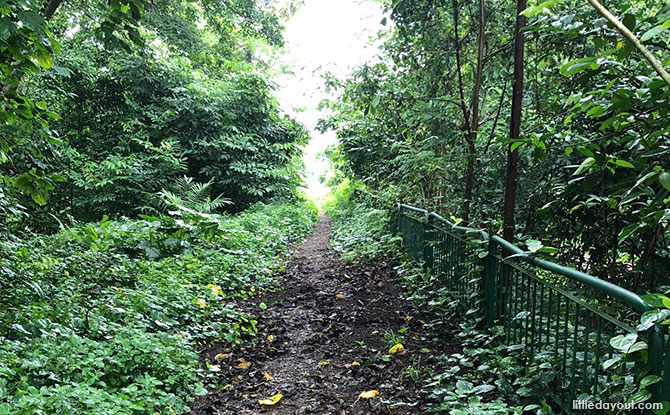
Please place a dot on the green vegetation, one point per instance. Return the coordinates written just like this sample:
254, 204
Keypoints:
430, 123
130, 131
106, 318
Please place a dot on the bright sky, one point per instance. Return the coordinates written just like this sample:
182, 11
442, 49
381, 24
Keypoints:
324, 36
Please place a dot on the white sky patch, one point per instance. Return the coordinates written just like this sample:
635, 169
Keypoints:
324, 36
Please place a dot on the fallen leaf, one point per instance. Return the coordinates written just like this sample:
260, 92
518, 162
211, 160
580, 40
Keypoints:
395, 349
216, 290
202, 303
219, 357
355, 364
244, 365
339, 297
214, 368
323, 363
267, 376
272, 400
368, 394
271, 338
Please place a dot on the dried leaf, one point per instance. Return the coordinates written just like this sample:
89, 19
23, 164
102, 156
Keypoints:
397, 348
368, 394
267, 376
244, 365
272, 400
219, 357
271, 338
339, 297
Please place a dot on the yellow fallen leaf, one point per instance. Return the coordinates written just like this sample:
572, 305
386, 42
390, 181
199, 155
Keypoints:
244, 365
216, 290
395, 349
323, 363
202, 303
339, 297
368, 394
219, 357
355, 364
271, 400
271, 338
267, 376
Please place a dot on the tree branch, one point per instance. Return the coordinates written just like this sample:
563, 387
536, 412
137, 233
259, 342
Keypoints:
658, 67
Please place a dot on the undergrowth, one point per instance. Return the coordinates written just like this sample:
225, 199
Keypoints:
104, 319
484, 378
358, 229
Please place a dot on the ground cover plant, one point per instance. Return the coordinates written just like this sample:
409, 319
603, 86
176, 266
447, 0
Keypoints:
107, 318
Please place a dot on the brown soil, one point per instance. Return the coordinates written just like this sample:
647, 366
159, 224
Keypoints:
326, 316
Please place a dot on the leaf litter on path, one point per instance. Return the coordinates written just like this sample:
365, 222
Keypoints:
303, 326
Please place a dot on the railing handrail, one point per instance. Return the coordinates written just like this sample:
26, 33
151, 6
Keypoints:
620, 293
596, 283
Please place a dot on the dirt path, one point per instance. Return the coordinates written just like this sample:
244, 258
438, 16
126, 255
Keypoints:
326, 316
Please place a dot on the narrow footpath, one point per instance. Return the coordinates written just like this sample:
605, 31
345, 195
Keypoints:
323, 339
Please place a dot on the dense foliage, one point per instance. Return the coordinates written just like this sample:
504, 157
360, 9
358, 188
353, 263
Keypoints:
104, 318
190, 97
127, 129
428, 124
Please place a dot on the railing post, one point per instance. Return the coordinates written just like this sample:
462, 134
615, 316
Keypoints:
427, 242
397, 221
489, 283
656, 363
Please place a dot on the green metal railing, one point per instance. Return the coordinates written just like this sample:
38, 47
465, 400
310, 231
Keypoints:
556, 314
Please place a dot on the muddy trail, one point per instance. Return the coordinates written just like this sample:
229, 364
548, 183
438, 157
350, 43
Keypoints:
323, 339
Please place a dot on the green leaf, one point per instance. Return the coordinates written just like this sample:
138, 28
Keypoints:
651, 317
586, 164
649, 380
31, 20
656, 300
664, 180
629, 21
611, 362
533, 245
595, 112
200, 391
624, 163
623, 343
540, 8
655, 30
44, 59
572, 67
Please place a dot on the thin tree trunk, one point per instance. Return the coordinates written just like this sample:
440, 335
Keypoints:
471, 136
646, 255
515, 125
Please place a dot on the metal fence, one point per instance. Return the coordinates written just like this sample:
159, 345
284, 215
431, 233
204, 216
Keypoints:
561, 318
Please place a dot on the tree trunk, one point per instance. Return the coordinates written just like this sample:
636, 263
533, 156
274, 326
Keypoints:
471, 136
515, 125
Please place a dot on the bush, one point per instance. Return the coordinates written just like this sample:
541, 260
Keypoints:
358, 228
102, 319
